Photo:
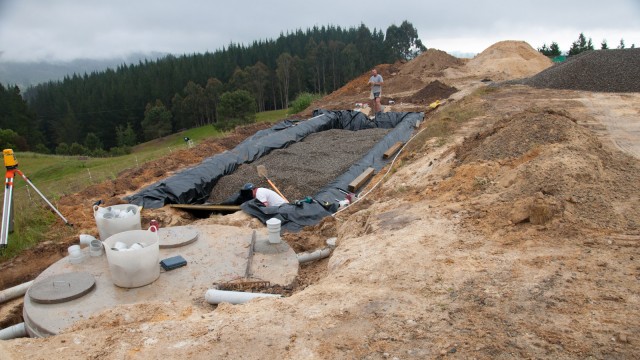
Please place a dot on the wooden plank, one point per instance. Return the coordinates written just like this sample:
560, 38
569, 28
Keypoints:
392, 150
360, 180
220, 208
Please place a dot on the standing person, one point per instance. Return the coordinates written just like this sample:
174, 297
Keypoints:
376, 90
266, 196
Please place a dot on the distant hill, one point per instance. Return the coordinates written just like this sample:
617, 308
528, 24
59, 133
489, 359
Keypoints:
25, 74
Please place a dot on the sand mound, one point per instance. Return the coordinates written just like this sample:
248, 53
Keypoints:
430, 63
601, 70
509, 60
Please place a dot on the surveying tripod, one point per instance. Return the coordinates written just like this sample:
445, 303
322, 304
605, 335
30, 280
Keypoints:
11, 164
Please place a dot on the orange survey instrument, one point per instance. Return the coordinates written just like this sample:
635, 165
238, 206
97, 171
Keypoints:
11, 164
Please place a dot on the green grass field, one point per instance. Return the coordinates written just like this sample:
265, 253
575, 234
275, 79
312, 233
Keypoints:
56, 175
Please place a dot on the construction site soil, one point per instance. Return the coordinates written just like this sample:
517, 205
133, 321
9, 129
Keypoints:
508, 227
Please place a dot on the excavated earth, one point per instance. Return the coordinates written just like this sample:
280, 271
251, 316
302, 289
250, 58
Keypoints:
507, 228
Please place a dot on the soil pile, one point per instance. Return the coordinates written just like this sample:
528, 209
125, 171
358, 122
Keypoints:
430, 63
360, 85
600, 70
562, 174
508, 60
305, 167
430, 93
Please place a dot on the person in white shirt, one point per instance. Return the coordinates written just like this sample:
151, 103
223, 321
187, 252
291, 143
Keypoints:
376, 90
266, 196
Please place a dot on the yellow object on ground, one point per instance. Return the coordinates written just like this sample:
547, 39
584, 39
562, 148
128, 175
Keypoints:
435, 104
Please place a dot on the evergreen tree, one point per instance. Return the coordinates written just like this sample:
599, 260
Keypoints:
213, 90
621, 45
125, 135
237, 105
62, 149
603, 45
8, 139
16, 116
92, 142
194, 108
77, 149
553, 50
315, 60
402, 42
580, 45
157, 121
258, 80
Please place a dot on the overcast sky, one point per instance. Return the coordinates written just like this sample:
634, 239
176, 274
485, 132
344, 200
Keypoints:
34, 30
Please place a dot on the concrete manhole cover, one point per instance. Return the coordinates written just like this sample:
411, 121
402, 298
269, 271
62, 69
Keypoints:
176, 237
61, 288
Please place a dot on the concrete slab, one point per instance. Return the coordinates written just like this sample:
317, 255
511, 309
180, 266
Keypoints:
219, 255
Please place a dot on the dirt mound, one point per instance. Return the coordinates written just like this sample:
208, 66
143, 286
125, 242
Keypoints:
601, 70
559, 173
515, 136
430, 93
430, 63
509, 60
359, 85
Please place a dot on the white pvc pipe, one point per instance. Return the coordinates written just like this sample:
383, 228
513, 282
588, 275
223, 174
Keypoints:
12, 332
214, 296
318, 254
85, 239
14, 292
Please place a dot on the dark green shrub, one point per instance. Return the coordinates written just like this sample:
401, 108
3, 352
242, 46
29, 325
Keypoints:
303, 101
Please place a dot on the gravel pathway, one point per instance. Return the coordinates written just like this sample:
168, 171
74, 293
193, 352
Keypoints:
304, 167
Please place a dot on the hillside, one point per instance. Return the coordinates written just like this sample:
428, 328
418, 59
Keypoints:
507, 228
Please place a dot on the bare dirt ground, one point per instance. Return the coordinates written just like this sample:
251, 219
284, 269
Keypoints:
514, 237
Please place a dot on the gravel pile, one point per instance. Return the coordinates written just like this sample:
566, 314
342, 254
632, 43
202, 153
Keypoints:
598, 70
305, 167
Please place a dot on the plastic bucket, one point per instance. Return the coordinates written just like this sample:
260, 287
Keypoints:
139, 263
115, 219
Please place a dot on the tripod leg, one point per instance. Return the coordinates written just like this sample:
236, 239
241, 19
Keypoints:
42, 196
7, 216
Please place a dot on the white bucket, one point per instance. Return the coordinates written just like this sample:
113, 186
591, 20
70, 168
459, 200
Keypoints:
274, 225
115, 219
134, 266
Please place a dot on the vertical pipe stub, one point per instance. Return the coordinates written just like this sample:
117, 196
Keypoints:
274, 226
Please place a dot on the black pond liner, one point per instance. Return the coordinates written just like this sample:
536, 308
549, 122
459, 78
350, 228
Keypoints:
194, 185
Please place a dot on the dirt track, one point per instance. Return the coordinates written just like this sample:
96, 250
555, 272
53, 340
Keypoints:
516, 237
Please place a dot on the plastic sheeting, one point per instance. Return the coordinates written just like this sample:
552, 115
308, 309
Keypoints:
194, 185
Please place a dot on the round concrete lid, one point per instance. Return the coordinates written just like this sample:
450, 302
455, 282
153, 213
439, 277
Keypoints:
175, 237
61, 288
